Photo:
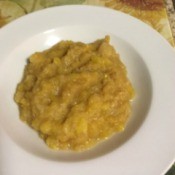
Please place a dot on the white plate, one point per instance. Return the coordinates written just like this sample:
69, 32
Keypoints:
146, 147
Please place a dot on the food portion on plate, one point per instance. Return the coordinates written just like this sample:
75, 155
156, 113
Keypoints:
75, 94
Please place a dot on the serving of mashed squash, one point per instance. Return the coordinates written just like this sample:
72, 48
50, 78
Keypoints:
75, 94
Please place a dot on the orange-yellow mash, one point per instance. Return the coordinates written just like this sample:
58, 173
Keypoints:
75, 94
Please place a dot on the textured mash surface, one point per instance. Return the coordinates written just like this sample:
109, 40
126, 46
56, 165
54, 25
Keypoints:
75, 94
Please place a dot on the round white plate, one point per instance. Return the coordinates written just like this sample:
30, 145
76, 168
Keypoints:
147, 146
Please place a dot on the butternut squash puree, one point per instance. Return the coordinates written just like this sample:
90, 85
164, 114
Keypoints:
75, 94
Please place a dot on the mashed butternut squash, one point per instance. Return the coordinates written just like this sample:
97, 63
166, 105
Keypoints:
75, 94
